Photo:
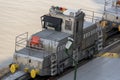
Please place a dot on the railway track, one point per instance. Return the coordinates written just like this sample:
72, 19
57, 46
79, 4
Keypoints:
110, 44
19, 75
112, 39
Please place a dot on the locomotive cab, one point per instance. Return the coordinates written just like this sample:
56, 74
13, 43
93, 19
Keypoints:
62, 20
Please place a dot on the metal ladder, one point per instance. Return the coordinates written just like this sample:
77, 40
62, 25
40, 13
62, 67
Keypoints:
53, 64
100, 37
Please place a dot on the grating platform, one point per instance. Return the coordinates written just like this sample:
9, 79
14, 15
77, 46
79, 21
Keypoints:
15, 75
97, 69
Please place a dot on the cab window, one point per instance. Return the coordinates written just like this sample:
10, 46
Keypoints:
68, 24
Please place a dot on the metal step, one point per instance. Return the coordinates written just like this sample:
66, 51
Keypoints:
53, 65
100, 36
53, 60
100, 40
53, 71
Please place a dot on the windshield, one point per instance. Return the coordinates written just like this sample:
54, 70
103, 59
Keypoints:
51, 22
48, 24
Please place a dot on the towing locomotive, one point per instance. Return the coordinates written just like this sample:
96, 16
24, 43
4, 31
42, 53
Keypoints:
111, 18
44, 52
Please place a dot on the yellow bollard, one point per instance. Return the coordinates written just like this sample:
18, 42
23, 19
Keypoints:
13, 68
103, 23
113, 24
33, 73
119, 28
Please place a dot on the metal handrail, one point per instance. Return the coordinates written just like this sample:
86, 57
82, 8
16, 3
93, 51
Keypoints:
110, 4
93, 15
21, 42
20, 39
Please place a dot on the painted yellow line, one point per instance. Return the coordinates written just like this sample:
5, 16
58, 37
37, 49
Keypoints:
111, 55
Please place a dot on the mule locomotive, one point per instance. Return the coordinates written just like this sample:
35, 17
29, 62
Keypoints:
44, 52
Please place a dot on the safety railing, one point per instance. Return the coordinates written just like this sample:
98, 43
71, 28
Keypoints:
21, 41
110, 6
92, 16
22, 46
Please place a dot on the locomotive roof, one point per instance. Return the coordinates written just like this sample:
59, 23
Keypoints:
52, 35
87, 24
33, 52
